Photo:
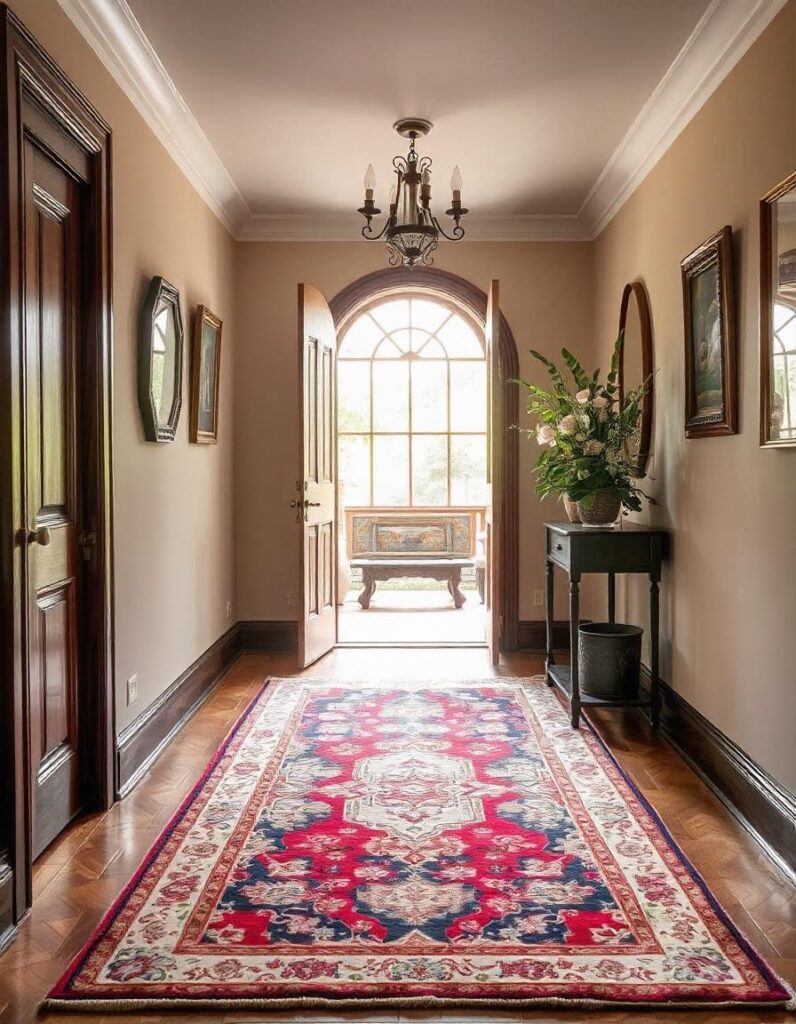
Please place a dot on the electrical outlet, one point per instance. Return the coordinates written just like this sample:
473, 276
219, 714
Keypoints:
229, 610
291, 598
132, 689
538, 598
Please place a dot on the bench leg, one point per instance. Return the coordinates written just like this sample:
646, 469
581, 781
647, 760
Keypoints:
453, 585
367, 591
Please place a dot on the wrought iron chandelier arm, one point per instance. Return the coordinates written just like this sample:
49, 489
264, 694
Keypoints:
368, 231
458, 230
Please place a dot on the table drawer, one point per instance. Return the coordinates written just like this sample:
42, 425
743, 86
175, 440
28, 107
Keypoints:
558, 548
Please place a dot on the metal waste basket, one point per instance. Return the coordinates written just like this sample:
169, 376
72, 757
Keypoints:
609, 660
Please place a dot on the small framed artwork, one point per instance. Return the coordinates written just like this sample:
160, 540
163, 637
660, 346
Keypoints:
711, 388
205, 376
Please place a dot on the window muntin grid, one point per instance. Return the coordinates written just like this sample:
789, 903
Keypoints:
784, 369
412, 406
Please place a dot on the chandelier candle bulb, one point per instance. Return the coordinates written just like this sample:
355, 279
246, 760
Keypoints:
456, 185
425, 187
370, 182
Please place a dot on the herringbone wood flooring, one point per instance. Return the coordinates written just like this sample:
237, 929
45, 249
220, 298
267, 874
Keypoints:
77, 878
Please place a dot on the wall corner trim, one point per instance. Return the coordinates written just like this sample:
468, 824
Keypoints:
721, 37
112, 32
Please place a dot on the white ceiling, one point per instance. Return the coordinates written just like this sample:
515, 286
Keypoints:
550, 107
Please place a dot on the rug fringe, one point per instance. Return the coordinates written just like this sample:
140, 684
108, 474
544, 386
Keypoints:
400, 1002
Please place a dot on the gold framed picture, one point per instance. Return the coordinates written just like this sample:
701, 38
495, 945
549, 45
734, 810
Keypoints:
711, 389
205, 376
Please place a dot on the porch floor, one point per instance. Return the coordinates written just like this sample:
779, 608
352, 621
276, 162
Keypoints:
411, 616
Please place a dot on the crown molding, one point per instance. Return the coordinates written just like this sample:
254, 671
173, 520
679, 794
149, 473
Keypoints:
347, 228
722, 36
111, 30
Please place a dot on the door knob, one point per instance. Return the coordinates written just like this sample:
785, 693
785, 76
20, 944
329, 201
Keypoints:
39, 536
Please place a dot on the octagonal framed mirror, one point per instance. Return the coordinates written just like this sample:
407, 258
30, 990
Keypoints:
160, 355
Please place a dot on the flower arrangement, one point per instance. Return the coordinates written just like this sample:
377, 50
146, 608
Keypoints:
588, 436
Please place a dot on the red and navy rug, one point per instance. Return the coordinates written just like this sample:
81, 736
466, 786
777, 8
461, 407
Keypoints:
414, 845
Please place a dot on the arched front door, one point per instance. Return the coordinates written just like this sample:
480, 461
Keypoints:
349, 302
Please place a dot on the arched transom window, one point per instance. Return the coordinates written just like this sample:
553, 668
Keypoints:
411, 393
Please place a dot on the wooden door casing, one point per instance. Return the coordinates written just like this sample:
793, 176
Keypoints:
494, 512
316, 488
53, 258
47, 588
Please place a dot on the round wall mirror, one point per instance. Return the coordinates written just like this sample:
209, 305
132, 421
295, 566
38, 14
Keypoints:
635, 362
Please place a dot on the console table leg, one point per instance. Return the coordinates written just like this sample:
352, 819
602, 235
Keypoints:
574, 622
551, 657
611, 597
655, 697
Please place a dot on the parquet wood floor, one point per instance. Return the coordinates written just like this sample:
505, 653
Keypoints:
77, 878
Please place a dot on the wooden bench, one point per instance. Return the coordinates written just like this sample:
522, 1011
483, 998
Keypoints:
389, 544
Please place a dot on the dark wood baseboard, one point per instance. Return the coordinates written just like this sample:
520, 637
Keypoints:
532, 635
764, 807
8, 929
268, 635
140, 743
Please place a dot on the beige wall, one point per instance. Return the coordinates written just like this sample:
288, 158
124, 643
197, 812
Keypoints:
545, 292
729, 598
173, 503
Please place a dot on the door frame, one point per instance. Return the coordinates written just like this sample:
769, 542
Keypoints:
38, 102
437, 283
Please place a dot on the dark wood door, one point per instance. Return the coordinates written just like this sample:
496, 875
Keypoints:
316, 499
494, 512
52, 490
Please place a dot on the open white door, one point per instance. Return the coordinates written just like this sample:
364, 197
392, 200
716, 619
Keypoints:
315, 503
494, 575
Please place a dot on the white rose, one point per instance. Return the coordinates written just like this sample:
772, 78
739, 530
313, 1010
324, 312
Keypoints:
593, 447
600, 402
583, 396
545, 434
580, 437
568, 425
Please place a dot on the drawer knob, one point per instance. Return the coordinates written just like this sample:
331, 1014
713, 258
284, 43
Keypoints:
559, 547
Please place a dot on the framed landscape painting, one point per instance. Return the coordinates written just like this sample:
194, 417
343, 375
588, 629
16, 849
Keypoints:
711, 391
205, 377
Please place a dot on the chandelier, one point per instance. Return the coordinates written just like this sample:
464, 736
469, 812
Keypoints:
411, 230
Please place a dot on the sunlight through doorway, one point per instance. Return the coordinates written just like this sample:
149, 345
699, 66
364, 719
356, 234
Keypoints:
412, 491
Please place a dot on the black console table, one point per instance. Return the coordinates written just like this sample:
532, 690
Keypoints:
579, 549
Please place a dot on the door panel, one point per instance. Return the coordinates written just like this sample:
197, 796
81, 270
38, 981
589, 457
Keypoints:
494, 512
52, 291
316, 501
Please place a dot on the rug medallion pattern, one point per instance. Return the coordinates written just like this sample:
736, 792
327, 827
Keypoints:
414, 843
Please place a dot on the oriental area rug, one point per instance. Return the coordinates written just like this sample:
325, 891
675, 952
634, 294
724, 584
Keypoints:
414, 845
